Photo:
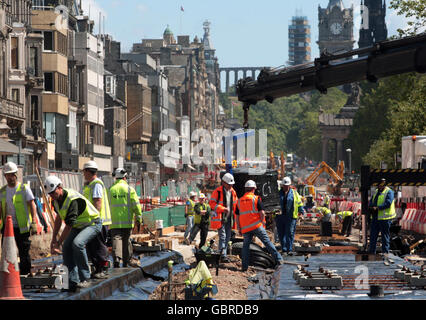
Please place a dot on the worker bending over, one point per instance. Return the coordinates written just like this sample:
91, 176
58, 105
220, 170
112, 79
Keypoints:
17, 201
82, 224
125, 206
347, 218
251, 215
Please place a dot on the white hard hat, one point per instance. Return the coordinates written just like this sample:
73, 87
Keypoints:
202, 196
120, 173
51, 183
286, 181
90, 165
192, 194
228, 178
250, 184
10, 167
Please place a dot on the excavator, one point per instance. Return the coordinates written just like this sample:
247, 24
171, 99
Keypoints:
332, 188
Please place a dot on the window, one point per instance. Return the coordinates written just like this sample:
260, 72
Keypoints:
48, 41
34, 108
49, 126
33, 67
62, 44
48, 81
15, 95
14, 52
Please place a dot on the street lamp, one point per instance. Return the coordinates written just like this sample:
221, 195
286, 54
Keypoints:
349, 156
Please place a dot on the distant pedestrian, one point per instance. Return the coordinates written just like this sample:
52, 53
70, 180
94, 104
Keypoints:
125, 207
82, 224
201, 221
17, 201
291, 206
251, 216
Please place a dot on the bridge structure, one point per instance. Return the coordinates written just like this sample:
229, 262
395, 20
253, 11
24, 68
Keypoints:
246, 72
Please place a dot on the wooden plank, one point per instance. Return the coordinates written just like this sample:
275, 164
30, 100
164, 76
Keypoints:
168, 230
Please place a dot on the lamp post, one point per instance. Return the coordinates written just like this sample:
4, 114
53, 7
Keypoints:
349, 151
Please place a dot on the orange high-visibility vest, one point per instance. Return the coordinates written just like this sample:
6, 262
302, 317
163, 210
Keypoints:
249, 217
216, 204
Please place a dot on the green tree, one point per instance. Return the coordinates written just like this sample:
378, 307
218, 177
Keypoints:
411, 9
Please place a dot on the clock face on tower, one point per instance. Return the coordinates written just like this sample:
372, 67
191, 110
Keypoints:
336, 28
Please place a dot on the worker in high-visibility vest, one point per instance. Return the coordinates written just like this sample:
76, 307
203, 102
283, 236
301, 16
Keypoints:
189, 216
82, 224
95, 191
325, 213
326, 202
223, 203
17, 201
347, 218
383, 205
201, 221
250, 213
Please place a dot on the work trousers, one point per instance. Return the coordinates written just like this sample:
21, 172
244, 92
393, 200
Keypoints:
122, 249
23, 243
203, 229
286, 227
189, 224
263, 236
97, 249
74, 251
383, 227
347, 226
224, 233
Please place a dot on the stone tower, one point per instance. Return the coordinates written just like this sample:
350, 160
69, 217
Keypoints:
373, 25
335, 28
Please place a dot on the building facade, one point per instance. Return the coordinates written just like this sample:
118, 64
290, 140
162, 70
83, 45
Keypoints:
299, 41
373, 24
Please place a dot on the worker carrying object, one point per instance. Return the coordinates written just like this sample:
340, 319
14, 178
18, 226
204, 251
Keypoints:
95, 191
347, 218
189, 215
82, 224
223, 202
125, 207
383, 204
17, 201
291, 206
251, 215
202, 212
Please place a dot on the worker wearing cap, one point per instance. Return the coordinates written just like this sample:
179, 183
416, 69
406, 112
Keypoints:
347, 218
17, 201
125, 206
82, 224
291, 206
250, 219
94, 190
201, 221
223, 202
189, 215
383, 204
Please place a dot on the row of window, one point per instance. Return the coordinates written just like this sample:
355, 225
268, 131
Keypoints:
56, 82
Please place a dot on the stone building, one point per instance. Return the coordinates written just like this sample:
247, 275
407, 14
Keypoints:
299, 41
373, 25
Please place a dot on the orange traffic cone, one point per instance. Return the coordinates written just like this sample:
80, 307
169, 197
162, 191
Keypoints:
10, 281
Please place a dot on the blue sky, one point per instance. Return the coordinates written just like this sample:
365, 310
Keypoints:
243, 32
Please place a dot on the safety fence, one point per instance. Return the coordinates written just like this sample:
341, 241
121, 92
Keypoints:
168, 215
414, 220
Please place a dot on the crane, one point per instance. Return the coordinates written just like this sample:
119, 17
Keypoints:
324, 167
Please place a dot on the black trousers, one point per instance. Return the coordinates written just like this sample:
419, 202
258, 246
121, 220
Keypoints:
347, 226
97, 249
203, 229
23, 243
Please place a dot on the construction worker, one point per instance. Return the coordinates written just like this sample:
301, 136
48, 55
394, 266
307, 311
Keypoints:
325, 213
383, 205
189, 215
347, 218
250, 219
201, 221
125, 206
223, 202
291, 206
82, 224
94, 190
17, 201
326, 202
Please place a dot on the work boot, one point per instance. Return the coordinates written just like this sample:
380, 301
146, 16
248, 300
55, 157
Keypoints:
99, 275
83, 284
134, 263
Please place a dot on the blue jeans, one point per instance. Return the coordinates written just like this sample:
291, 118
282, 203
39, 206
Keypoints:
382, 226
286, 227
261, 234
74, 251
224, 233
189, 224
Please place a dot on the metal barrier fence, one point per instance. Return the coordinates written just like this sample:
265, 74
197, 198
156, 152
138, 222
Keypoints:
171, 216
